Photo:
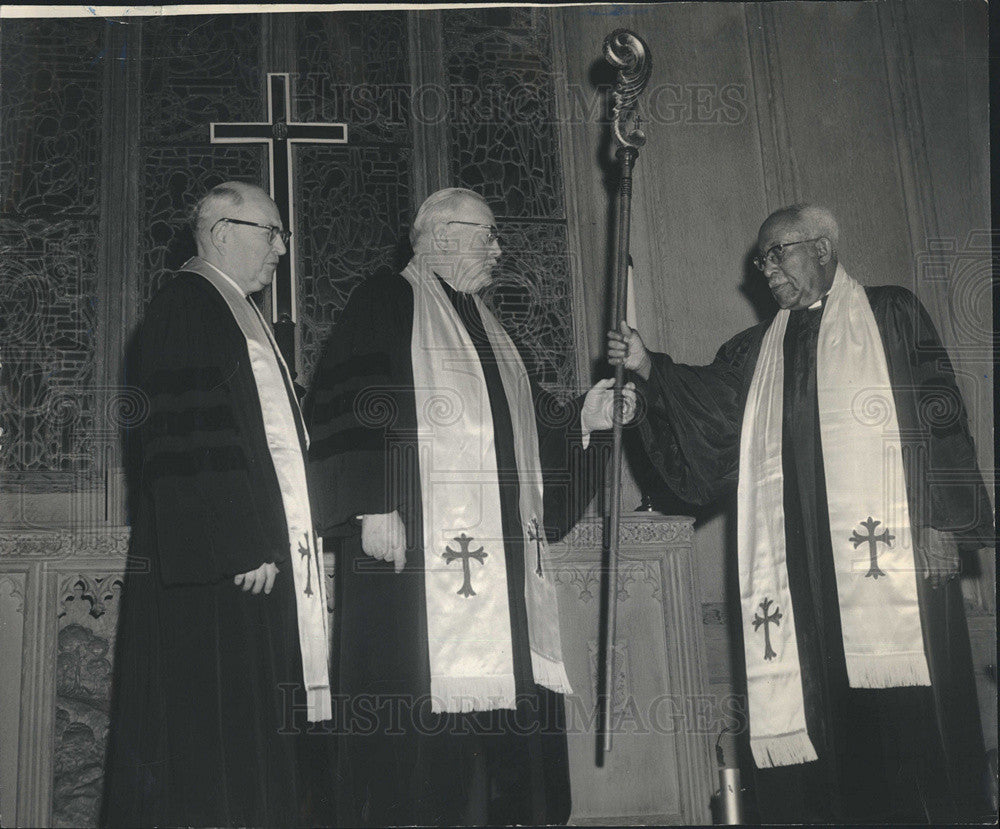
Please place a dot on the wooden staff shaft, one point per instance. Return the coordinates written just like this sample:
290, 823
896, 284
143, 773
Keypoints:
626, 158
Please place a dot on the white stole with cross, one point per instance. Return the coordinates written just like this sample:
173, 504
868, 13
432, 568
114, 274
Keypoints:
869, 526
465, 571
280, 412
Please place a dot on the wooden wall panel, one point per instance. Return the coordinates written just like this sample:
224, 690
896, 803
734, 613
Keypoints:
12, 589
663, 719
950, 68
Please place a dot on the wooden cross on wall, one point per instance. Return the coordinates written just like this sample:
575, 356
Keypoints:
279, 130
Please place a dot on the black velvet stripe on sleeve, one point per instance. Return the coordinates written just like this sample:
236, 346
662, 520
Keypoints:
356, 439
360, 408
182, 463
335, 370
205, 460
358, 411
206, 417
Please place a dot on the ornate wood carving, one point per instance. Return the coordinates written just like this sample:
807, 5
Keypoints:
12, 590
622, 692
661, 705
60, 545
586, 580
87, 619
637, 529
713, 613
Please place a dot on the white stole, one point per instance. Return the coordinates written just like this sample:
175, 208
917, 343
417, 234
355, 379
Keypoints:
280, 414
465, 573
869, 526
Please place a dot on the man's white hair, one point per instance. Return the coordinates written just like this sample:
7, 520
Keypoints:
218, 201
440, 206
819, 220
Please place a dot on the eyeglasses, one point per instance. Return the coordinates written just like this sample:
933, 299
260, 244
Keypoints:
776, 253
272, 231
494, 233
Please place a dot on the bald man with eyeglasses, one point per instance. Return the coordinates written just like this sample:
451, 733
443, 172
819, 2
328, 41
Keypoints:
223, 659
841, 428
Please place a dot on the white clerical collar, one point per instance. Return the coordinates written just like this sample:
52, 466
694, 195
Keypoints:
225, 276
819, 302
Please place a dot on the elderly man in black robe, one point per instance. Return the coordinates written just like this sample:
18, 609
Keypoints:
444, 471
223, 626
840, 425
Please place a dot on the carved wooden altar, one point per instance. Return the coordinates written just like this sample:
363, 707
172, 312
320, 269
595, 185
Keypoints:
660, 770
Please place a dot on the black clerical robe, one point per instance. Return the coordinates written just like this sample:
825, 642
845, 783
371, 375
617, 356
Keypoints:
399, 763
913, 753
205, 674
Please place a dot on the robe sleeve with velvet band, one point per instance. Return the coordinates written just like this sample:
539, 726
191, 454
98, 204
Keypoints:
206, 464
360, 410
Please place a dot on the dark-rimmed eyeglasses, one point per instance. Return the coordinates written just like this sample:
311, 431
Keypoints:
494, 233
776, 253
272, 231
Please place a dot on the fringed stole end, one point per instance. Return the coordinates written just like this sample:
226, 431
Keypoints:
782, 750
550, 674
887, 670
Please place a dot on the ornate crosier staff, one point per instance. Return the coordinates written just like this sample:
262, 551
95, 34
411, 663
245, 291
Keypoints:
629, 54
